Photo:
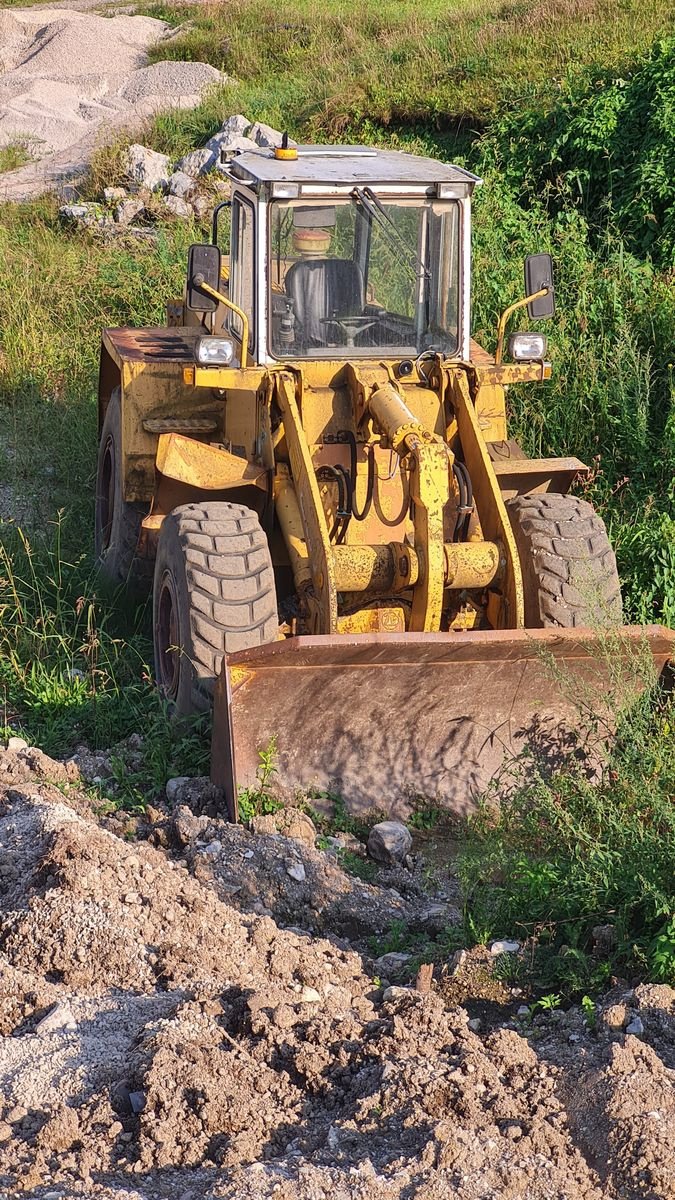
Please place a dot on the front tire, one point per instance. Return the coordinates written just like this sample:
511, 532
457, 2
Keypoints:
117, 523
213, 593
569, 568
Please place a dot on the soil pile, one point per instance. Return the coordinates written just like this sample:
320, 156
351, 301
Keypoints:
156, 1041
66, 75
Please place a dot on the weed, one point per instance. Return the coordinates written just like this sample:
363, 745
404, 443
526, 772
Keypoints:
259, 801
14, 155
588, 1007
357, 865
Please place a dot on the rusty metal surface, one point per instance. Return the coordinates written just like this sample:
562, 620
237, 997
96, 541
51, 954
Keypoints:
176, 344
379, 719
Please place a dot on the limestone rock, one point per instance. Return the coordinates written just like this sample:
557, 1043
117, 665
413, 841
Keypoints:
389, 842
181, 184
197, 162
146, 168
127, 210
177, 206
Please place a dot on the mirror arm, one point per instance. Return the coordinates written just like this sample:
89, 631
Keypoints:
216, 213
505, 317
239, 312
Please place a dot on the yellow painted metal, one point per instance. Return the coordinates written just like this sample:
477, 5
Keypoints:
309, 502
202, 466
238, 312
394, 418
508, 610
430, 491
225, 378
390, 568
290, 519
490, 402
385, 619
471, 565
504, 320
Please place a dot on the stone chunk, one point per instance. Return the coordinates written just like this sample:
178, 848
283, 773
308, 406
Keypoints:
112, 194
59, 1017
181, 184
174, 787
389, 842
197, 162
504, 946
17, 743
146, 168
177, 206
80, 214
235, 126
265, 136
127, 210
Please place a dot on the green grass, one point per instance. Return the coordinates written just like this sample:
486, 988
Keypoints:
564, 854
13, 155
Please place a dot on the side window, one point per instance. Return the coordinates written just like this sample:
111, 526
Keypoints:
242, 255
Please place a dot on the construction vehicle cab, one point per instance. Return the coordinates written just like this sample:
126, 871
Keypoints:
348, 547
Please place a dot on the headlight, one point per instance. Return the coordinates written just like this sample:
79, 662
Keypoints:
524, 346
215, 350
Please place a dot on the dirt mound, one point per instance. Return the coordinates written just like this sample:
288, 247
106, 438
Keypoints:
66, 75
159, 1042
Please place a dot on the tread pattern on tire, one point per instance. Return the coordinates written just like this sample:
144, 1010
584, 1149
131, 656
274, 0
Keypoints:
118, 562
569, 567
230, 578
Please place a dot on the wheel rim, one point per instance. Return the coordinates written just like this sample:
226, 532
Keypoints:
166, 633
106, 493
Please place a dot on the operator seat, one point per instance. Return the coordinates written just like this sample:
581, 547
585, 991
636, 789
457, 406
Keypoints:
324, 287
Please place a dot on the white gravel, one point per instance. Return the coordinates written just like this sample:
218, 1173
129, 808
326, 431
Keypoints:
68, 76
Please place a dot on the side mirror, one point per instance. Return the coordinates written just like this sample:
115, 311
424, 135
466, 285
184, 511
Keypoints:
203, 267
538, 275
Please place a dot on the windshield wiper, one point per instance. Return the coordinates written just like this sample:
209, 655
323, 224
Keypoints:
397, 243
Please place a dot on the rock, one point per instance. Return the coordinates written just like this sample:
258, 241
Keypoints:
604, 938
179, 208
391, 962
234, 126
523, 1011
437, 917
504, 947
6, 1133
475, 1024
146, 168
614, 1017
265, 136
309, 995
127, 210
389, 842
59, 1017
112, 194
635, 1026
202, 207
396, 993
186, 825
295, 824
17, 743
456, 962
80, 214
296, 871
174, 787
229, 146
137, 1101
197, 162
181, 184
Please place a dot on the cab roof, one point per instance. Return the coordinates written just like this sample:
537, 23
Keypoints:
337, 166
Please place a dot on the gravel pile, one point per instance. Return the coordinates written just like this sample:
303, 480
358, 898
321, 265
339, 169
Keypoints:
68, 75
156, 1042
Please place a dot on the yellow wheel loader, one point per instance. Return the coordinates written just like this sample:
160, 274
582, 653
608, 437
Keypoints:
352, 560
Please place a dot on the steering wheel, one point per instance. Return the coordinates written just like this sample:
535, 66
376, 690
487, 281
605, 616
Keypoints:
351, 326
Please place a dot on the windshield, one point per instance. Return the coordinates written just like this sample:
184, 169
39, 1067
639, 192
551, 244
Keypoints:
364, 277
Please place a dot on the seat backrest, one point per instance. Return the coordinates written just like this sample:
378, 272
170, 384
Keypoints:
324, 287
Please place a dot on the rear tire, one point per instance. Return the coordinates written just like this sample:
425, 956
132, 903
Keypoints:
569, 568
213, 593
117, 523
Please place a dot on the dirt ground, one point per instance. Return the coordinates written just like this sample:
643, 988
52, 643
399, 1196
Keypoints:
169, 1027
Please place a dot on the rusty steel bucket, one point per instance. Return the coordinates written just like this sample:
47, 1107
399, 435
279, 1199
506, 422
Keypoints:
387, 720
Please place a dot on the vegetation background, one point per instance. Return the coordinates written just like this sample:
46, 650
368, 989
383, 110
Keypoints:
567, 111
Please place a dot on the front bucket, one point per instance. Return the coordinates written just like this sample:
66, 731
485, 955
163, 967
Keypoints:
383, 720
